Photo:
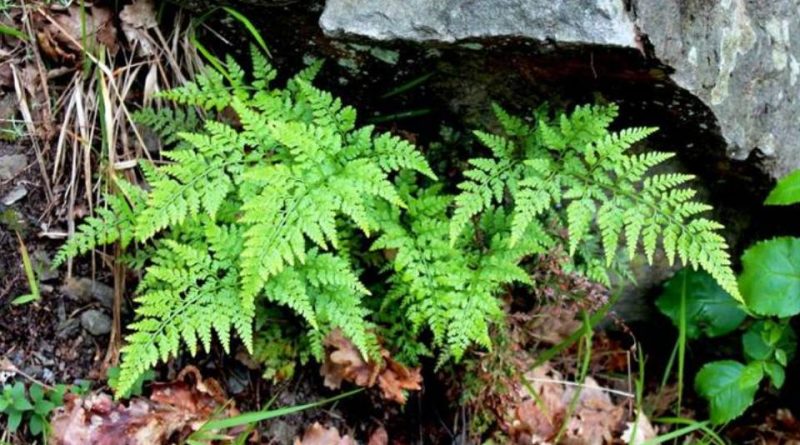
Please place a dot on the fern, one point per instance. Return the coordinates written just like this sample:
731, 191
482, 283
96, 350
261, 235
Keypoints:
272, 206
450, 289
113, 223
574, 161
251, 214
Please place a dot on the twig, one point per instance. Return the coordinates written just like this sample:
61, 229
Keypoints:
581, 385
6, 365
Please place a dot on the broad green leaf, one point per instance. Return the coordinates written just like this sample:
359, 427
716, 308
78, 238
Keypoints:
37, 393
36, 425
776, 373
729, 386
770, 279
764, 339
786, 192
710, 311
14, 419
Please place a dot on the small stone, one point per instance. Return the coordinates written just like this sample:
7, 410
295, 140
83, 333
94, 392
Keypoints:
67, 328
96, 322
11, 166
236, 382
84, 290
15, 195
48, 375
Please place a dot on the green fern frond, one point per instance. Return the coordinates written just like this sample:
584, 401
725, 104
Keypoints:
182, 299
113, 222
199, 179
608, 191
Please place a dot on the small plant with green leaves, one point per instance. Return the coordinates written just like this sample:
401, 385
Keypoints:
32, 407
255, 213
573, 161
769, 287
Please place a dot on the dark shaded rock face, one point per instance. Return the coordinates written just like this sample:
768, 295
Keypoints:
738, 58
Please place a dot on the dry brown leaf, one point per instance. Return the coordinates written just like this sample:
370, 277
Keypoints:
136, 19
555, 325
61, 33
174, 410
638, 432
596, 418
344, 362
536, 419
379, 437
395, 379
316, 434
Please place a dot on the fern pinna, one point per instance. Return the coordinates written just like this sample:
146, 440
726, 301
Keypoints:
250, 210
576, 162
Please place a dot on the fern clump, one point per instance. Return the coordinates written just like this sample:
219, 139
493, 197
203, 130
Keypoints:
250, 212
277, 198
574, 162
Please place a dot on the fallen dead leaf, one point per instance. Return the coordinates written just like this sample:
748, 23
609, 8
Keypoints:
136, 19
395, 379
536, 419
555, 325
62, 33
316, 434
638, 432
174, 410
379, 437
594, 420
344, 362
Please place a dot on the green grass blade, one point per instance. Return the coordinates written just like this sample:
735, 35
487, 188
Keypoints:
13, 32
258, 416
409, 85
249, 26
33, 283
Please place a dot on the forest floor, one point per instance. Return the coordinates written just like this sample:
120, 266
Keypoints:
596, 384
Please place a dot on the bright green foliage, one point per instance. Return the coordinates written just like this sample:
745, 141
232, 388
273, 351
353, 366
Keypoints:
729, 386
770, 341
449, 288
137, 388
787, 191
32, 407
250, 212
770, 285
274, 203
709, 310
112, 223
278, 344
574, 161
770, 280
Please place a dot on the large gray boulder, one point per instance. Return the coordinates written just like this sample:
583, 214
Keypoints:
453, 20
741, 59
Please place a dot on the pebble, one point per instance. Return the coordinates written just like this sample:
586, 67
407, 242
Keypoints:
68, 328
15, 195
84, 290
96, 322
11, 166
